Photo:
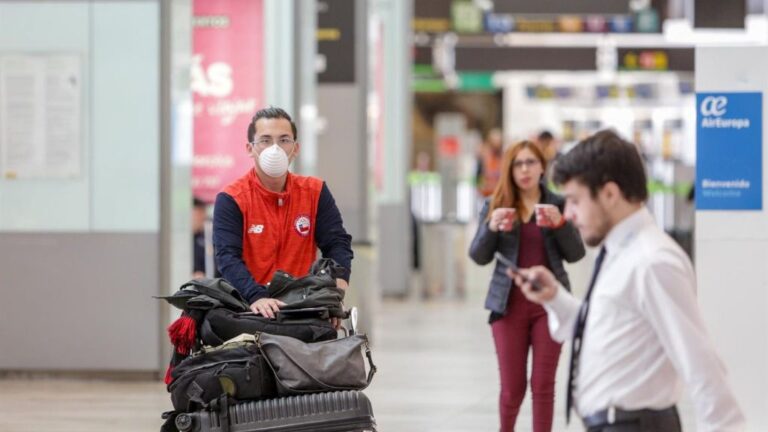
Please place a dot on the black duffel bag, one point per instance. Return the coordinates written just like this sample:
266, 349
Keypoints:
205, 294
221, 324
231, 372
315, 290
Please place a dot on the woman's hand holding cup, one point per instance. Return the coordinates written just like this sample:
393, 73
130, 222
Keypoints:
548, 216
502, 219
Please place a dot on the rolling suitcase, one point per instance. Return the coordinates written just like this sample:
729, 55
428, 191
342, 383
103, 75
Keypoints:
341, 411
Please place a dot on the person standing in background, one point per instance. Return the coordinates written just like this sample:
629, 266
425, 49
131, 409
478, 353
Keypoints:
489, 163
199, 216
550, 147
523, 220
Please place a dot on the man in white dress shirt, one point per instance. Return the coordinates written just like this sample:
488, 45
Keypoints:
638, 335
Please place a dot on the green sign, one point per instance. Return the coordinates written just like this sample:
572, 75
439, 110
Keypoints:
426, 80
467, 17
476, 81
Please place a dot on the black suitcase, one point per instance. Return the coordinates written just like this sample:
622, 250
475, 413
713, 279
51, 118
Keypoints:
342, 411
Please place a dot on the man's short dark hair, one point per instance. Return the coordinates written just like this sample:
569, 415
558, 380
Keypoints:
602, 158
546, 136
269, 113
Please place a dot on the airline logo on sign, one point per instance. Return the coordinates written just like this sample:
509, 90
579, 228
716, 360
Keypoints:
713, 105
713, 109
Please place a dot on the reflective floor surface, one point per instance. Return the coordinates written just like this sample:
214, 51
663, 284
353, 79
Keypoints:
437, 372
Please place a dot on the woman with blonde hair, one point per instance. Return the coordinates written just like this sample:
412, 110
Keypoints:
523, 220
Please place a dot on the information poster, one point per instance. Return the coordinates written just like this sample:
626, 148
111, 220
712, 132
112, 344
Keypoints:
226, 79
729, 151
40, 116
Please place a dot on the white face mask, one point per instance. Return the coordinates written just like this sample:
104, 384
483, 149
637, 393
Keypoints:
273, 161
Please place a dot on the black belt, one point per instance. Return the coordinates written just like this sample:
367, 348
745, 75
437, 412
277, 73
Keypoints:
616, 415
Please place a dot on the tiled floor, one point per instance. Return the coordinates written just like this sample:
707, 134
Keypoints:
439, 370
437, 373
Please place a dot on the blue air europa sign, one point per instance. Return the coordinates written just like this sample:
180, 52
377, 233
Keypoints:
729, 151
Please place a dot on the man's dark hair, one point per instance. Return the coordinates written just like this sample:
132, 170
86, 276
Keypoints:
546, 136
198, 203
269, 113
602, 158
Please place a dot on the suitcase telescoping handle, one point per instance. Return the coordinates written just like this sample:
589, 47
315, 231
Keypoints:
353, 321
349, 325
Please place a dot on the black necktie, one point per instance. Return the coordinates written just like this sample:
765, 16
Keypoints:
578, 333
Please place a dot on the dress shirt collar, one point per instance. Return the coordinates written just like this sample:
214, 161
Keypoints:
624, 231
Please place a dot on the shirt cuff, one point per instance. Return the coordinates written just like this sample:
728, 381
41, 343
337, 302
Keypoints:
256, 294
561, 302
561, 311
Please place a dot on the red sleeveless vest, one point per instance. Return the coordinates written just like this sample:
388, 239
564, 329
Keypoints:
278, 228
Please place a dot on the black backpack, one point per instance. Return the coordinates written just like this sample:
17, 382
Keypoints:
221, 324
206, 294
213, 376
315, 290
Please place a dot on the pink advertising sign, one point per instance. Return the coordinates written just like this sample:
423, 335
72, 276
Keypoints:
227, 89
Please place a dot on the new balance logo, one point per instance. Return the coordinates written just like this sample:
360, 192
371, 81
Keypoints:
255, 229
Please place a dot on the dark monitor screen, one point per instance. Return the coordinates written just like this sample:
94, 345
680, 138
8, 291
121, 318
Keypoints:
719, 14
559, 7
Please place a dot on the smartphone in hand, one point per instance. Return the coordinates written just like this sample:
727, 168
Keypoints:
515, 269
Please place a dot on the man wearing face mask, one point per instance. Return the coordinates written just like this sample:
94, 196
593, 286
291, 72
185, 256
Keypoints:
271, 219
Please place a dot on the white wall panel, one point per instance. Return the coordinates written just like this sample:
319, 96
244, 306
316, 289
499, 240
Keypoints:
732, 249
126, 101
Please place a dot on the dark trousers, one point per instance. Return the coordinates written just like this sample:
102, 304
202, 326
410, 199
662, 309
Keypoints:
524, 328
645, 421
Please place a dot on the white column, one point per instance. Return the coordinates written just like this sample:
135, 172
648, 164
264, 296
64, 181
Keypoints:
732, 247
279, 30
394, 225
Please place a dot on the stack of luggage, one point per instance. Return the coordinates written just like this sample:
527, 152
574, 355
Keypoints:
235, 371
